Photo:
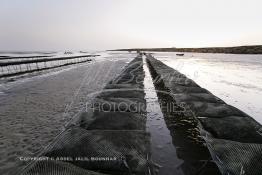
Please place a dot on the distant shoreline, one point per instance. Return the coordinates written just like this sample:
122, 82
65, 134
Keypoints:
255, 49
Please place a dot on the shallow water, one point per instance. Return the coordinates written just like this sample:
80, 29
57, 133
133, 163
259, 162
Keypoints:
236, 79
163, 151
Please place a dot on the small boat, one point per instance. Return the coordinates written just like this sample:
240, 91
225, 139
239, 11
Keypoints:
180, 54
66, 52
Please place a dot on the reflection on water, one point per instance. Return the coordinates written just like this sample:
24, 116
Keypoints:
163, 152
188, 155
236, 79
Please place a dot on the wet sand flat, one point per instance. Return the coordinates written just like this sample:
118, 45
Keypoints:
34, 112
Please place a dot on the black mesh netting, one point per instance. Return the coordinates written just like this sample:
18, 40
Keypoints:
233, 138
52, 167
105, 139
236, 158
112, 152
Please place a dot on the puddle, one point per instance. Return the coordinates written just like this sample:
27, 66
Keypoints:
163, 151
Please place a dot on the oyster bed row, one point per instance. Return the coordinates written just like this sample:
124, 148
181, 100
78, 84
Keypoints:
206, 129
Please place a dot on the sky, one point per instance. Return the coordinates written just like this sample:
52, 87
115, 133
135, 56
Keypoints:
50, 25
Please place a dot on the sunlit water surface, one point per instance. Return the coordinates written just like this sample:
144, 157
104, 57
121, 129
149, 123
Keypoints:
236, 79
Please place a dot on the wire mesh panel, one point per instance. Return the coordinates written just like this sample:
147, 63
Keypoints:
103, 150
52, 167
236, 158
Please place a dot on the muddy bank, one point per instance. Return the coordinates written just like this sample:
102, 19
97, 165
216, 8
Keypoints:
204, 128
35, 110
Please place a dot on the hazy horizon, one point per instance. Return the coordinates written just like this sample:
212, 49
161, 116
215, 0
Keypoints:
35, 25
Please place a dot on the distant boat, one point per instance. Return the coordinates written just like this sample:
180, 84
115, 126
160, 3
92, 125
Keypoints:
180, 54
66, 52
